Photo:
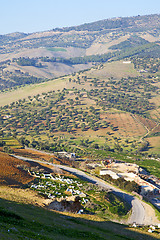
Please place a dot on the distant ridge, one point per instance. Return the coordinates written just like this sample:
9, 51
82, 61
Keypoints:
63, 51
104, 24
117, 22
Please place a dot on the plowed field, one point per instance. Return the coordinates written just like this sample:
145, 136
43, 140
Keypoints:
150, 124
128, 125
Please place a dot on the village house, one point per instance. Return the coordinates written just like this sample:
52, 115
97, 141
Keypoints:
70, 156
146, 187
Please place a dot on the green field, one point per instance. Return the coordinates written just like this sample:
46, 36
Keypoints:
11, 142
20, 221
57, 49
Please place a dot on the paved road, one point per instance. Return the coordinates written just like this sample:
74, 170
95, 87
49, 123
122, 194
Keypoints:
138, 211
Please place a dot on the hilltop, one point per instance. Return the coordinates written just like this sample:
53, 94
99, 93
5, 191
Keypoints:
85, 35
36, 57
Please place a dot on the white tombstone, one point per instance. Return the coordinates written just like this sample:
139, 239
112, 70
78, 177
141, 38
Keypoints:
134, 225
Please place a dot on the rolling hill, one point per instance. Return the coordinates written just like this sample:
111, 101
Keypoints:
92, 90
75, 48
109, 104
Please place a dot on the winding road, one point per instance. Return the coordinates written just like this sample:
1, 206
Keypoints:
139, 212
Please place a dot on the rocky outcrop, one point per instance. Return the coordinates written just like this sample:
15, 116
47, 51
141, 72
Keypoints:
69, 204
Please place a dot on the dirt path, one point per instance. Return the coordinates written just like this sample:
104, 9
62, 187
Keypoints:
137, 120
150, 217
148, 131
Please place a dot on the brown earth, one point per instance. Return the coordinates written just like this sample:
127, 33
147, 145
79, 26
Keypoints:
37, 155
10, 174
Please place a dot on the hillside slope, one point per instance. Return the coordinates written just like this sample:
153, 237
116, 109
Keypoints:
25, 214
10, 174
115, 105
83, 36
20, 221
75, 48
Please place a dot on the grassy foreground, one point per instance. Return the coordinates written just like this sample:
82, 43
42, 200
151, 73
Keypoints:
22, 221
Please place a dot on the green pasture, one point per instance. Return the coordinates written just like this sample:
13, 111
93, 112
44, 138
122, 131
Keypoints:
57, 49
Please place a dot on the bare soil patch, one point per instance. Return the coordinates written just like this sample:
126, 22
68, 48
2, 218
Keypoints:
37, 155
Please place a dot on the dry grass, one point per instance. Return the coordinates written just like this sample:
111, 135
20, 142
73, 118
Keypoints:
150, 124
49, 70
43, 52
101, 46
155, 114
150, 37
156, 100
31, 90
25, 196
155, 144
116, 69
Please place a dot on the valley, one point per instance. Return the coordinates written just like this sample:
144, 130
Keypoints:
80, 131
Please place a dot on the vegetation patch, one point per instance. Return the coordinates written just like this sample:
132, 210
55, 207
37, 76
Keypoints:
57, 49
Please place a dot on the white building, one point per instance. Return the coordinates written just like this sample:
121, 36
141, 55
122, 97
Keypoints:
109, 172
71, 156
